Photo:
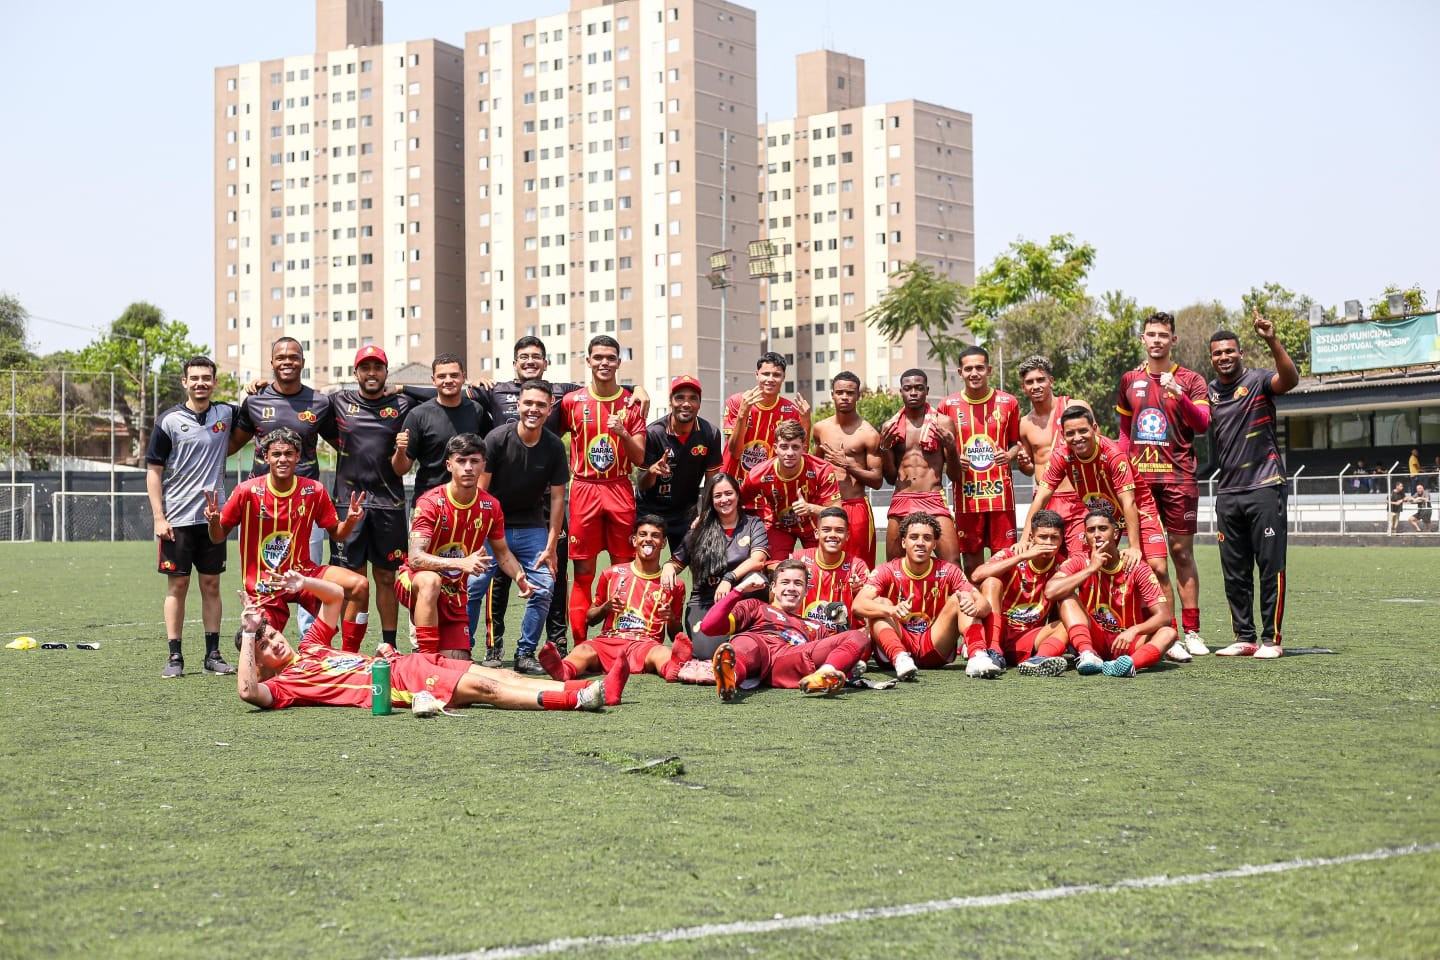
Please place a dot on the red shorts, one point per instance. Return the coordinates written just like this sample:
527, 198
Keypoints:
921, 648
1019, 643
862, 529
903, 504
782, 543
602, 518
1152, 541
454, 621
842, 651
425, 671
994, 529
276, 606
1179, 507
611, 649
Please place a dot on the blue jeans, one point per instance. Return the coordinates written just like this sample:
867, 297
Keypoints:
527, 543
317, 557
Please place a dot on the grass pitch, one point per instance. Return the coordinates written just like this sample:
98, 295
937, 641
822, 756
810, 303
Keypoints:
150, 819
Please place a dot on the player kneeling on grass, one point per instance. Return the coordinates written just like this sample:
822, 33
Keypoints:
1013, 582
772, 643
637, 611
1116, 613
919, 606
272, 675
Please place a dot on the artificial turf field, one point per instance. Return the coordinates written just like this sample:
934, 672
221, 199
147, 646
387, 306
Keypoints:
149, 819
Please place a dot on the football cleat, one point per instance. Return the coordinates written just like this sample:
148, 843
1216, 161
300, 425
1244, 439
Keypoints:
980, 665
905, 668
1043, 667
697, 671
1119, 667
495, 656
1178, 653
592, 697
1240, 648
1089, 663
825, 680
724, 666
425, 705
1268, 651
1195, 644
998, 657
174, 667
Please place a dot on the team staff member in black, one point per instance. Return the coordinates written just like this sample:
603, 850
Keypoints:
681, 451
363, 429
1250, 498
287, 402
429, 427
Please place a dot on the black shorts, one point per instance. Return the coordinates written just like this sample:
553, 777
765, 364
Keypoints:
192, 547
379, 539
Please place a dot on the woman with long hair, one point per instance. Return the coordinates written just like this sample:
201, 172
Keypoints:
725, 545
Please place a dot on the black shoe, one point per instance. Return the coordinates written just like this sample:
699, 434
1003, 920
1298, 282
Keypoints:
174, 667
494, 656
214, 663
527, 664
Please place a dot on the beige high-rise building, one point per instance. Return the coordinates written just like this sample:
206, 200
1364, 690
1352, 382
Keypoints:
609, 151
849, 193
339, 203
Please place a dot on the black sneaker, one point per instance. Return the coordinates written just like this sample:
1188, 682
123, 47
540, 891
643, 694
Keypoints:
174, 667
214, 663
494, 656
527, 664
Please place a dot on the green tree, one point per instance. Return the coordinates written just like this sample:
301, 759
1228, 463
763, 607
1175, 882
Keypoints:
1289, 311
922, 301
1194, 324
14, 329
1415, 300
876, 406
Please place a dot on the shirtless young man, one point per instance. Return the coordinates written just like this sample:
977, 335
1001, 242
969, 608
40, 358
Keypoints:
917, 452
849, 443
1040, 428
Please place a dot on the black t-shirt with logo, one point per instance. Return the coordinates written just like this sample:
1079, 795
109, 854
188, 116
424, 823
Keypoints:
431, 426
1242, 432
690, 459
504, 405
362, 431
307, 412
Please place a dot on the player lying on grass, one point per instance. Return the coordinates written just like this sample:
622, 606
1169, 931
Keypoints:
771, 643
276, 513
272, 675
1013, 583
918, 606
836, 575
637, 611
1115, 612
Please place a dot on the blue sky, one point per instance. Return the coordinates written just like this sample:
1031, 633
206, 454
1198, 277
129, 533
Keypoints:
1200, 152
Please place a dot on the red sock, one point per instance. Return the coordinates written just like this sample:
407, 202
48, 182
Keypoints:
579, 604
1190, 616
680, 652
1146, 656
428, 639
575, 686
615, 680
1080, 638
994, 630
550, 659
351, 635
887, 640
975, 639
1052, 646
557, 699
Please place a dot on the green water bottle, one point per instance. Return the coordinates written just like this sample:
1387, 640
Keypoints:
380, 687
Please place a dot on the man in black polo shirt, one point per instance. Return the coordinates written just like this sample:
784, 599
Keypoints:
526, 470
431, 424
287, 402
1250, 498
681, 450
366, 421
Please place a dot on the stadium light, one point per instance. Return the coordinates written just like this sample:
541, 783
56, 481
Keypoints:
1396, 303
1352, 310
1317, 315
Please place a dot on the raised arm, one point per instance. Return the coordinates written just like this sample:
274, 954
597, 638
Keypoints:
247, 671
1286, 375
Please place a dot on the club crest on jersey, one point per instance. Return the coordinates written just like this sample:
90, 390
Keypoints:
218, 428
755, 453
601, 453
792, 636
699, 450
981, 451
1107, 619
308, 416
1241, 392
275, 548
389, 413
1151, 426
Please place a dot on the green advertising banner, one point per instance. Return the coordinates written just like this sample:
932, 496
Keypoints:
1373, 344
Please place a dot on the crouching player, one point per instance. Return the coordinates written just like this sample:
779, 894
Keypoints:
771, 643
637, 612
1013, 583
1115, 612
448, 533
919, 606
835, 576
272, 675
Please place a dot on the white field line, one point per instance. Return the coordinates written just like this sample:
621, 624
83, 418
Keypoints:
709, 930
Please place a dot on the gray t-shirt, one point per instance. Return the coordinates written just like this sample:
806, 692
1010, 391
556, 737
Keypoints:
191, 447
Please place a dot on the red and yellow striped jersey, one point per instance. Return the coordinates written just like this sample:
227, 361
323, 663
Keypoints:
1022, 590
275, 527
596, 453
1103, 477
985, 427
927, 590
774, 493
758, 432
836, 584
649, 607
1116, 599
455, 529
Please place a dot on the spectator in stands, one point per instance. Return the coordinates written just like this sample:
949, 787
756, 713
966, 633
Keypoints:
1421, 520
1361, 473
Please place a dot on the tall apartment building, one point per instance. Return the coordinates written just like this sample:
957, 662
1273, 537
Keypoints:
339, 202
609, 151
849, 192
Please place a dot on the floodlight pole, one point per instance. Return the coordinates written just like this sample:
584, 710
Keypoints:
724, 228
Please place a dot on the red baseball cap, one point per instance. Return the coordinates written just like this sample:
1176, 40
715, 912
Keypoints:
371, 352
685, 380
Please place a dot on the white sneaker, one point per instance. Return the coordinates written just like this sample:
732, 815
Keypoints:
424, 705
1089, 663
905, 668
1195, 643
592, 697
980, 665
1178, 653
1240, 648
1268, 651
